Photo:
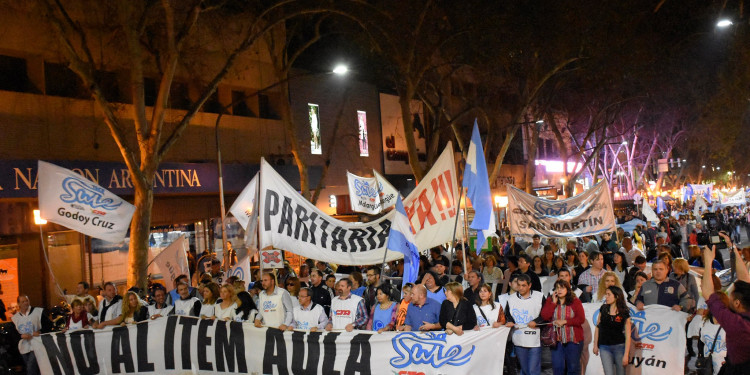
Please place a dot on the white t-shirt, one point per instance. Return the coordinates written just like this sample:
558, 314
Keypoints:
222, 314
344, 311
524, 311
27, 324
489, 312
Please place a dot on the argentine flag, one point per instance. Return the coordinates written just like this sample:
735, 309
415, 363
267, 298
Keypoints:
401, 239
478, 190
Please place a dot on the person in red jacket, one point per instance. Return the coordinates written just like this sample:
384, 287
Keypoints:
565, 311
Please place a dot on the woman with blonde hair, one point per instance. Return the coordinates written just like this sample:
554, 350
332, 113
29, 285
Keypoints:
608, 279
456, 313
133, 311
225, 308
491, 273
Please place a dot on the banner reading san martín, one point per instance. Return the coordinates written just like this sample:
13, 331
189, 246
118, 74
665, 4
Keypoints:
290, 222
68, 199
181, 344
585, 214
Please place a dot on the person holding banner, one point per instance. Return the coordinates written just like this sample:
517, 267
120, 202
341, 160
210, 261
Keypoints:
321, 294
28, 322
308, 315
210, 293
565, 311
246, 308
173, 295
735, 318
488, 313
110, 306
383, 314
456, 313
275, 305
522, 312
348, 311
612, 333
160, 307
660, 290
186, 304
424, 314
403, 306
225, 308
435, 290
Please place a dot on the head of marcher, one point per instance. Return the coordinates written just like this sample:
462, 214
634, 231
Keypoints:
82, 289
659, 271
597, 260
474, 278
418, 295
109, 291
407, 289
215, 266
268, 281
373, 276
523, 285
536, 240
304, 297
564, 274
343, 288
316, 277
739, 299
183, 290
23, 303
524, 262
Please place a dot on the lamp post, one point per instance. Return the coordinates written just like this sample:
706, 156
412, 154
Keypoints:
339, 70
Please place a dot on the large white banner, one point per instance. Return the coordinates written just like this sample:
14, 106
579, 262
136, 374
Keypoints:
181, 344
433, 205
585, 214
737, 199
68, 199
370, 195
172, 261
657, 346
290, 222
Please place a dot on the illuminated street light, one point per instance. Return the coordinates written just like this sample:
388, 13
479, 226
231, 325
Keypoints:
38, 218
340, 69
724, 23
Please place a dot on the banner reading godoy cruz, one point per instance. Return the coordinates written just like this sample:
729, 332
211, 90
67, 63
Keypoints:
657, 345
68, 199
433, 205
181, 344
370, 194
585, 214
290, 222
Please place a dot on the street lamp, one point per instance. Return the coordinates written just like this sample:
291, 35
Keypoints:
724, 23
340, 69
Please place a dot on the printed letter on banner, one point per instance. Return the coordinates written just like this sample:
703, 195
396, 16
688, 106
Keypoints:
585, 214
290, 222
68, 199
433, 205
185, 344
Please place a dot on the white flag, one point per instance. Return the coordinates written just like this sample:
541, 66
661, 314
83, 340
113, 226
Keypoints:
700, 206
370, 195
172, 261
245, 207
242, 270
68, 199
648, 212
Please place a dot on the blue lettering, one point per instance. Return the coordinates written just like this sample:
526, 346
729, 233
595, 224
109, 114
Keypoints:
81, 191
427, 348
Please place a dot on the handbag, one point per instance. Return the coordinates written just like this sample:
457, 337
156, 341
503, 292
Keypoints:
704, 364
549, 335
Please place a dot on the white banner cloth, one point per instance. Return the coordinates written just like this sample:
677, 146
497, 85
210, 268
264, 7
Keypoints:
588, 213
181, 344
737, 199
290, 222
433, 205
172, 261
242, 270
245, 206
68, 199
370, 195
658, 345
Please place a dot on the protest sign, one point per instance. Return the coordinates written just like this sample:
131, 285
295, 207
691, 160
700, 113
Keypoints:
585, 214
68, 199
370, 195
182, 344
172, 261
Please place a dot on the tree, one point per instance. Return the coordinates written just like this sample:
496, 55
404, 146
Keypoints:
157, 38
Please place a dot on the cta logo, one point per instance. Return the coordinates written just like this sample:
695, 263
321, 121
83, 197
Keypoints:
342, 313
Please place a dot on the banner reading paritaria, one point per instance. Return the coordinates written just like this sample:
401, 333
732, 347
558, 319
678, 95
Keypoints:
585, 214
657, 346
181, 344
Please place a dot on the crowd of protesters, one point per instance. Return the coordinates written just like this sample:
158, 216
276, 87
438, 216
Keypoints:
610, 269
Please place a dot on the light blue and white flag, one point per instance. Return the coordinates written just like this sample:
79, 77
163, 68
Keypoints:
401, 239
478, 190
660, 206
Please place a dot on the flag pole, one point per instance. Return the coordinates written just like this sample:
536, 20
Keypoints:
455, 226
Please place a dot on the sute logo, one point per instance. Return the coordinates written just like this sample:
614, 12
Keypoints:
84, 192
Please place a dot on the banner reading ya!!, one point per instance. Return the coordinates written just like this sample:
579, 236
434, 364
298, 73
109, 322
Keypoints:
585, 214
181, 344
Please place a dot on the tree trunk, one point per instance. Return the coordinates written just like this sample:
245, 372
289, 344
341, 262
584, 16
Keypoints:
501, 154
291, 134
139, 235
531, 158
404, 100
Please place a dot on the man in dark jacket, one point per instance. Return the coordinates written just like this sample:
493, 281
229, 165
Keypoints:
322, 295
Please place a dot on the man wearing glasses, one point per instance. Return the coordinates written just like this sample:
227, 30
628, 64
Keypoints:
308, 315
373, 283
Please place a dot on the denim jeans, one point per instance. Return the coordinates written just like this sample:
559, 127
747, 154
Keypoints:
566, 356
32, 368
530, 360
611, 356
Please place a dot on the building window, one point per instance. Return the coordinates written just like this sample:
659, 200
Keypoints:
14, 75
212, 105
364, 148
268, 106
240, 105
313, 112
61, 81
179, 96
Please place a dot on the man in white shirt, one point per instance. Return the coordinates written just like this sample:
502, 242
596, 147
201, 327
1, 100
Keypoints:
82, 293
110, 307
274, 305
536, 247
308, 316
160, 307
630, 251
28, 322
347, 310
